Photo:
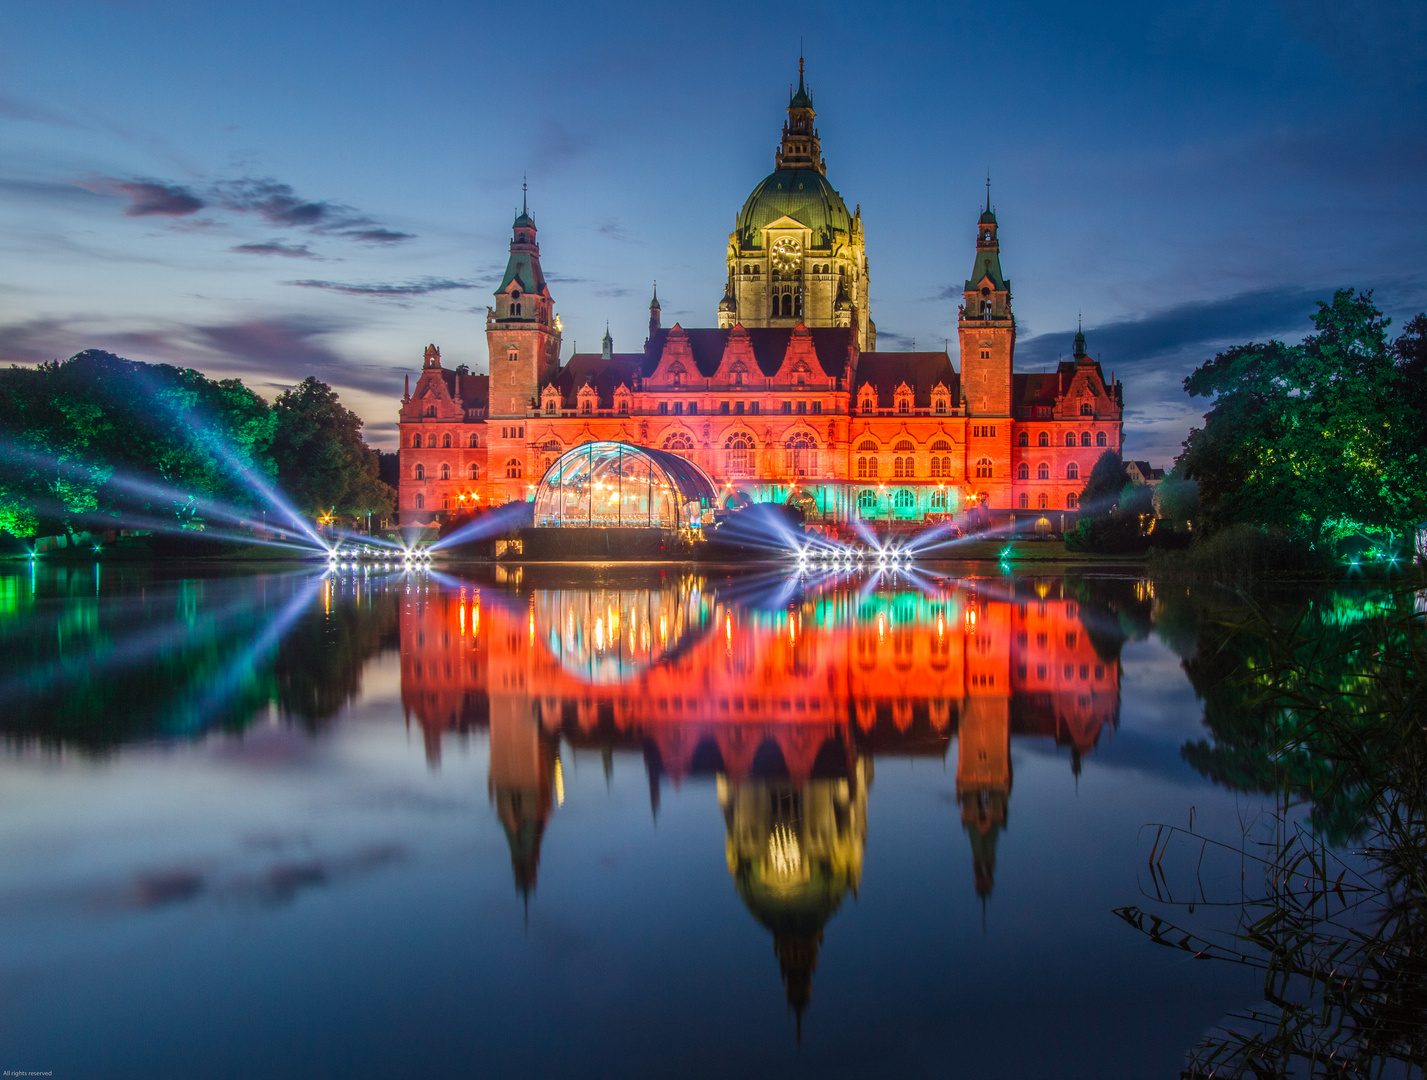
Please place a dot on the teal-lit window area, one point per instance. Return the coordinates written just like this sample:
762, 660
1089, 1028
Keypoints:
615, 484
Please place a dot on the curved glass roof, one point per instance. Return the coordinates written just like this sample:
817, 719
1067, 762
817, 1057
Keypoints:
619, 485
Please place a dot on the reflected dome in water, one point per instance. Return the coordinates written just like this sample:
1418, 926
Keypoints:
607, 636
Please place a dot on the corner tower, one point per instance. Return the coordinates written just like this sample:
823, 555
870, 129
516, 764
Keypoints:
522, 332
987, 328
796, 255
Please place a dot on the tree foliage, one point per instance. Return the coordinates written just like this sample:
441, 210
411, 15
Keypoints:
322, 463
96, 436
1321, 439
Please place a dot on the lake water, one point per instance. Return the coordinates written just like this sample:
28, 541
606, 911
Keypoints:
611, 822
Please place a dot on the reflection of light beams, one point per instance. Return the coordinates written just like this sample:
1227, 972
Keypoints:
231, 678
133, 649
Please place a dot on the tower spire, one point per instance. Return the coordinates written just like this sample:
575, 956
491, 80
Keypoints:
525, 193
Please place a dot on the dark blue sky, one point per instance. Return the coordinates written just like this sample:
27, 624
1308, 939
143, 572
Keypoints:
271, 190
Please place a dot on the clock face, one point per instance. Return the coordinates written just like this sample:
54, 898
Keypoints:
785, 254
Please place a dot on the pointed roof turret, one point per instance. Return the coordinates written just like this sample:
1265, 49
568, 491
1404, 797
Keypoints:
988, 216
801, 150
1079, 339
607, 344
802, 99
523, 219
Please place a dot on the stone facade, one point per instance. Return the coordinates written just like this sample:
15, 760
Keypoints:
787, 399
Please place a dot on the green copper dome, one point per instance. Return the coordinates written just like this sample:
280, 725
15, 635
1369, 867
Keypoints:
801, 194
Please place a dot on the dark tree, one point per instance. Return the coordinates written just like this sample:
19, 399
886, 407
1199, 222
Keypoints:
322, 463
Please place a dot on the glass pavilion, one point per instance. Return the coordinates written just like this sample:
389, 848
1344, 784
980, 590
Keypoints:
617, 485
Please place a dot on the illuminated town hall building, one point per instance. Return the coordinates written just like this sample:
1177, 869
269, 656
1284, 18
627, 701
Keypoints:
787, 398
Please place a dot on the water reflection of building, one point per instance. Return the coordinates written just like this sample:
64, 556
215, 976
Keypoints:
787, 707
794, 851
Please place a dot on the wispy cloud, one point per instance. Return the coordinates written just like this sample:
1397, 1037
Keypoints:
15, 109
388, 291
1197, 327
286, 348
270, 200
276, 247
148, 197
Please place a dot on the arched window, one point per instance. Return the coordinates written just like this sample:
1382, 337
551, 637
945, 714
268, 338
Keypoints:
940, 446
587, 406
1070, 438
1025, 439
897, 472
905, 500
938, 501
420, 473
787, 305
1086, 409
416, 440
1072, 501
474, 472
624, 405
550, 405
738, 456
867, 502
678, 444
475, 441
513, 469
1043, 500
1099, 438
1045, 438
798, 305
1042, 471
867, 468
1085, 438
421, 502
983, 467
1025, 501
431, 410
936, 468
802, 456
904, 404
551, 446
1023, 471
446, 441
1072, 471
904, 447
867, 446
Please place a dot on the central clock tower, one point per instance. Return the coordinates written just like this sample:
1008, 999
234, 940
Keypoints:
796, 254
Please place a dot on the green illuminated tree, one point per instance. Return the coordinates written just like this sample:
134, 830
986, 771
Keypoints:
1318, 439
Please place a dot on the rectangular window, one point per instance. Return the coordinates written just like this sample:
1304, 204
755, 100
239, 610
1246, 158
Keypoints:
505, 433
787, 408
753, 407
817, 408
738, 408
723, 408
802, 408
678, 408
663, 408
693, 408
